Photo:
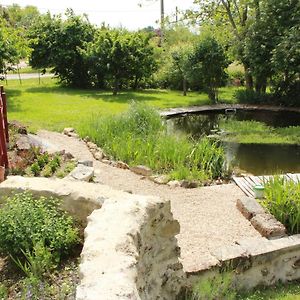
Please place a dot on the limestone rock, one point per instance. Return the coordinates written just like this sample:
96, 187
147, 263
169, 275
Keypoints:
67, 131
173, 183
91, 145
73, 135
122, 165
87, 163
82, 173
141, 170
99, 155
249, 207
160, 179
188, 184
24, 143
268, 226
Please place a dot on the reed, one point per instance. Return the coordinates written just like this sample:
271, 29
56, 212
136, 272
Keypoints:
138, 136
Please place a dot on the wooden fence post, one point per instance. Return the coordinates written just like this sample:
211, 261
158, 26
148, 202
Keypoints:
3, 129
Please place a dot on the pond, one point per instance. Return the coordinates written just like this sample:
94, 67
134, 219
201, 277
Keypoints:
251, 157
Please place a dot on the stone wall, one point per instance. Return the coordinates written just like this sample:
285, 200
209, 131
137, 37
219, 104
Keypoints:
139, 254
130, 250
255, 262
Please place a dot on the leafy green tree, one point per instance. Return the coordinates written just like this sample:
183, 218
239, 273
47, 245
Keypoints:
273, 46
19, 17
118, 57
232, 18
58, 44
208, 62
181, 63
9, 50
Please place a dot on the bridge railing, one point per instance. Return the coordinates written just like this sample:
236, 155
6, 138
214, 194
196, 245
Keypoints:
4, 138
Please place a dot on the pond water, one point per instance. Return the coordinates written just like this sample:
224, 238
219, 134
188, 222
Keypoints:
257, 159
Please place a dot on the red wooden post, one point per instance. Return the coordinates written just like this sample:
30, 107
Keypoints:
3, 138
5, 116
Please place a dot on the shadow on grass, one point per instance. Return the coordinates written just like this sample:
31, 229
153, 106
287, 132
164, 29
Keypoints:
105, 95
13, 104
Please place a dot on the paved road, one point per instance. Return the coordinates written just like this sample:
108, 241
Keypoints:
27, 76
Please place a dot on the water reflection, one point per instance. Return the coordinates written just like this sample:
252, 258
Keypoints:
257, 159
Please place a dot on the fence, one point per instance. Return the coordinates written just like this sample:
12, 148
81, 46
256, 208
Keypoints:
4, 138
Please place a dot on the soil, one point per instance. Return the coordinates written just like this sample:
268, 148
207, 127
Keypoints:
208, 216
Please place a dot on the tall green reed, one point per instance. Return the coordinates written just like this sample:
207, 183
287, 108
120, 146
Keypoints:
283, 202
138, 136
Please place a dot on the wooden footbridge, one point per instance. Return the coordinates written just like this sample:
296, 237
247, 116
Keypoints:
247, 183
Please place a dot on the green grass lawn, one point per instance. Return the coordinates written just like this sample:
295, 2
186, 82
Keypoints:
50, 106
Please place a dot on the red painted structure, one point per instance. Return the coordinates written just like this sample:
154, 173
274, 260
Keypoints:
4, 139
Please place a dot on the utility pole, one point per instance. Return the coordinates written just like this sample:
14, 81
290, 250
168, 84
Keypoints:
162, 21
176, 14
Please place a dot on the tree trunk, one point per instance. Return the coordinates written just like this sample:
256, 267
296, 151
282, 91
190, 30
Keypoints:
248, 77
261, 85
184, 85
116, 86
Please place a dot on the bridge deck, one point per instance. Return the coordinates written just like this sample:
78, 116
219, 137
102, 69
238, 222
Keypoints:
246, 183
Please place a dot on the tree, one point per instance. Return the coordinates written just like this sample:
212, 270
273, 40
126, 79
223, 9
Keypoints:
10, 49
208, 62
118, 57
273, 46
58, 44
18, 17
235, 17
181, 63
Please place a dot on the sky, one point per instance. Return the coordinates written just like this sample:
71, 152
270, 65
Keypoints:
116, 13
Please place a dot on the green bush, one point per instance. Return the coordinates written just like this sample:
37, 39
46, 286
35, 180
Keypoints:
139, 137
283, 202
25, 221
252, 97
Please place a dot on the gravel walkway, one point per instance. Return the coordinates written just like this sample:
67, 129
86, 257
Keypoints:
208, 216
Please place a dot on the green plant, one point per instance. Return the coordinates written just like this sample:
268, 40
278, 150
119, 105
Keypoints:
139, 137
35, 169
38, 261
3, 292
25, 221
218, 287
252, 97
65, 170
283, 202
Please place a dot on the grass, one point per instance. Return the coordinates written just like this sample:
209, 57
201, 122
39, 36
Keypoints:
283, 202
53, 107
289, 291
222, 287
138, 137
253, 132
27, 70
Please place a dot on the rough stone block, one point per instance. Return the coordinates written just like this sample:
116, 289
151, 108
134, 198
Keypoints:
249, 207
82, 173
268, 226
87, 163
141, 170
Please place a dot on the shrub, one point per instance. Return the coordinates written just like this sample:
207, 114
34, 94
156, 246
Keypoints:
283, 202
252, 97
140, 137
25, 221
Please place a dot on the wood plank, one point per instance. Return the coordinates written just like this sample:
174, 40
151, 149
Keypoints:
294, 177
255, 179
243, 186
250, 182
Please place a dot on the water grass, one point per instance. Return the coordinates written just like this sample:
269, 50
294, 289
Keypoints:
283, 202
138, 137
253, 132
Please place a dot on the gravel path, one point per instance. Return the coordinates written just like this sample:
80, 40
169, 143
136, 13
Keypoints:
208, 216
